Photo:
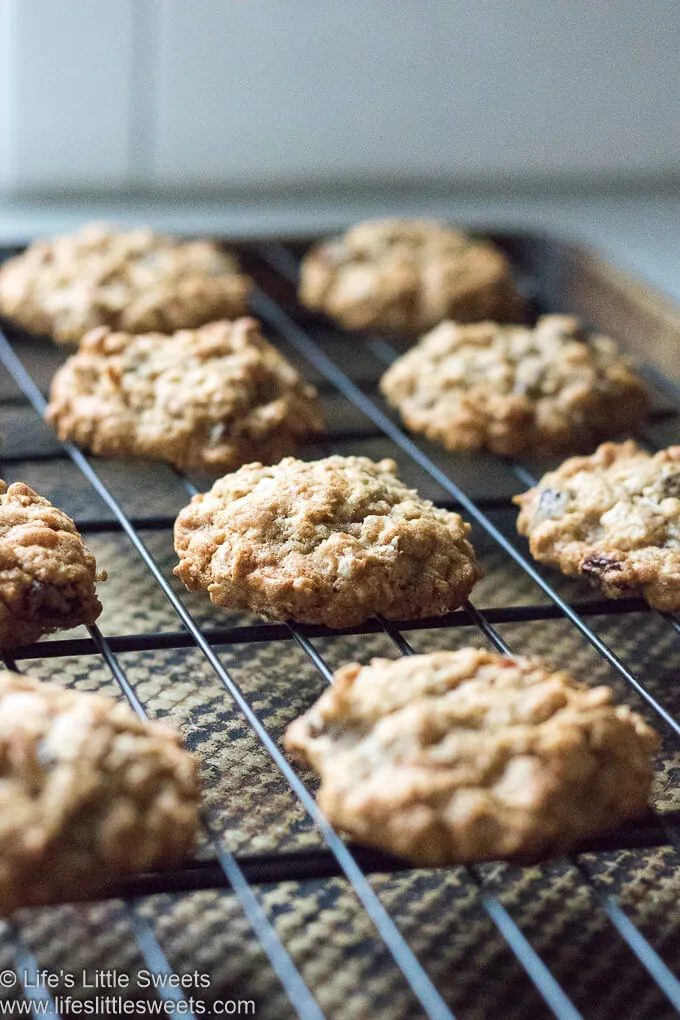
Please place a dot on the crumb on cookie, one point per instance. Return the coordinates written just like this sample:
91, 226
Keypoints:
208, 399
468, 755
407, 275
333, 541
136, 281
89, 794
47, 574
515, 390
613, 518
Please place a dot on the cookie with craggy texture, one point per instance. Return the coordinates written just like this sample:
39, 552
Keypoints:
136, 281
614, 518
332, 542
89, 794
208, 399
47, 574
468, 755
405, 275
516, 390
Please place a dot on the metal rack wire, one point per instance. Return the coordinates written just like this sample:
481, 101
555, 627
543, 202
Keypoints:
243, 874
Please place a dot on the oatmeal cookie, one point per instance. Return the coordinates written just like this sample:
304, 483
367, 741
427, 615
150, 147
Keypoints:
89, 794
136, 281
47, 575
516, 390
614, 518
209, 399
468, 755
401, 275
333, 542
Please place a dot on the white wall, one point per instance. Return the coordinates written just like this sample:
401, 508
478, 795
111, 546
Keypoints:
107, 93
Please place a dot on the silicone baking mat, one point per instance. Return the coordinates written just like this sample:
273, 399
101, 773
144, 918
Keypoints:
278, 914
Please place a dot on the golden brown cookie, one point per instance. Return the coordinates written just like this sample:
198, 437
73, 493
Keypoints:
333, 542
516, 389
614, 518
89, 794
400, 275
467, 756
135, 280
208, 399
47, 574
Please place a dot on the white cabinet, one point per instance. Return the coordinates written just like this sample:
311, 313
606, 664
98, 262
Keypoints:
242, 93
261, 90
67, 92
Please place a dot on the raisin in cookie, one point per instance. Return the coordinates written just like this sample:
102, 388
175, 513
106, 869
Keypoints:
210, 399
47, 575
333, 541
89, 793
135, 281
614, 518
516, 390
407, 275
467, 755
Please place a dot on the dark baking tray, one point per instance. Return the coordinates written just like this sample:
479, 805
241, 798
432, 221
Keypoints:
360, 934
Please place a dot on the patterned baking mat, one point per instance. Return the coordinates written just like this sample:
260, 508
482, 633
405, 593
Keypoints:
324, 927
321, 922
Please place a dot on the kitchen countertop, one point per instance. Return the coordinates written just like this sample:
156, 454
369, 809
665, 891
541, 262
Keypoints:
637, 229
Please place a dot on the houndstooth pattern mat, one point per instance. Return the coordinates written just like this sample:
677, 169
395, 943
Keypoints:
322, 923
324, 927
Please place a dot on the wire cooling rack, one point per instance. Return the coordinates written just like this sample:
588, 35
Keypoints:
346, 370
